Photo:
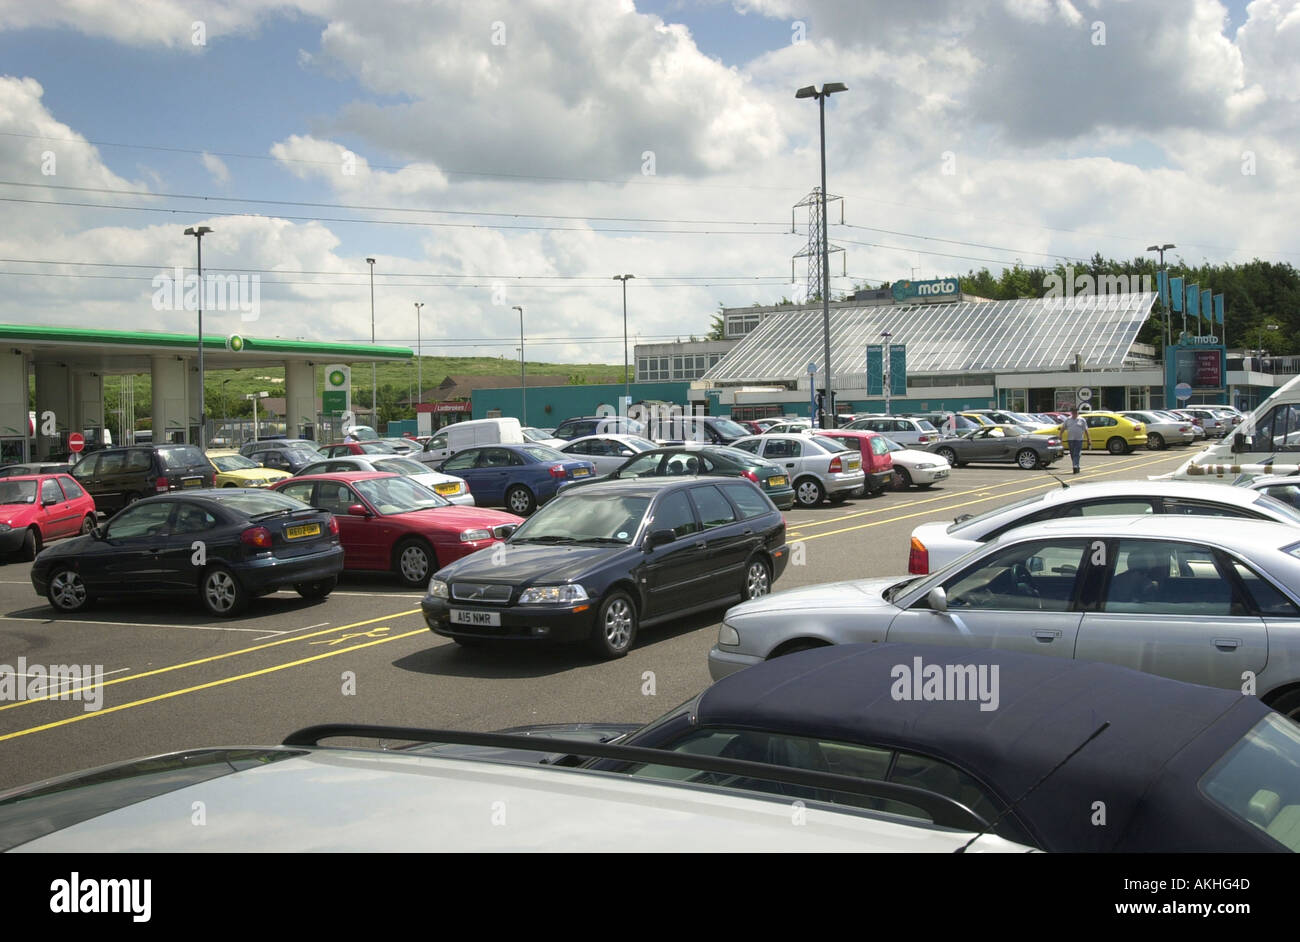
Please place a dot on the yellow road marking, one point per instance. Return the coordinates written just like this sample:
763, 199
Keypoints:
216, 657
372, 633
207, 686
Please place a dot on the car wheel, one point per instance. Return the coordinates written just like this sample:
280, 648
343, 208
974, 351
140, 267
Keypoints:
88, 524
520, 501
66, 592
1288, 705
414, 562
1117, 446
129, 498
314, 591
31, 544
615, 625
758, 579
1155, 441
808, 492
901, 480
948, 455
221, 592
1027, 458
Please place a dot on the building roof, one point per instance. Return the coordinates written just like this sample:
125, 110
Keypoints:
1029, 334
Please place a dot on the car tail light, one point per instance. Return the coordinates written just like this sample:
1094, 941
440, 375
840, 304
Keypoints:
557, 470
836, 466
161, 486
1185, 428
1053, 441
334, 526
751, 475
924, 440
257, 537
918, 560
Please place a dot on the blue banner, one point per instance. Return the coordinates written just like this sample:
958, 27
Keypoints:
875, 369
1194, 300
1207, 305
897, 369
1176, 293
1162, 286
1218, 309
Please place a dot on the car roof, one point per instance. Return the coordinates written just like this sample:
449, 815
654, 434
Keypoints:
647, 486
345, 476
1267, 480
1243, 536
1047, 706
1193, 490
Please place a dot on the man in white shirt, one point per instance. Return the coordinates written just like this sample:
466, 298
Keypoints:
1075, 432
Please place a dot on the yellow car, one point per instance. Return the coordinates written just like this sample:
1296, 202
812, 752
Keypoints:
1107, 430
234, 470
978, 418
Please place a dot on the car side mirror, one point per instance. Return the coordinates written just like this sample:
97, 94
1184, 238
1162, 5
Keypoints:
657, 538
1238, 443
938, 599
505, 530
1035, 564
97, 532
357, 510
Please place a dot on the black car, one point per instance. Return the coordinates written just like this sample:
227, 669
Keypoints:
283, 454
600, 561
1073, 756
722, 460
583, 425
118, 477
701, 429
225, 545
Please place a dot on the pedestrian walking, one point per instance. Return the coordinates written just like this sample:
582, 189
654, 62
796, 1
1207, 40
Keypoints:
1075, 431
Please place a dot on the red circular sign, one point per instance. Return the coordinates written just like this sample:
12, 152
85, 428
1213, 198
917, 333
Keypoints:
76, 442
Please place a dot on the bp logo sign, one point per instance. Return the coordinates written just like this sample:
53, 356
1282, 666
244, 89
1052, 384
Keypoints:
337, 397
338, 378
235, 343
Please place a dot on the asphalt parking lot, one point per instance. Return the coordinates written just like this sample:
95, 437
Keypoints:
174, 678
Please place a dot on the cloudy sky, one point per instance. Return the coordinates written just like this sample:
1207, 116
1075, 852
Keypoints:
490, 154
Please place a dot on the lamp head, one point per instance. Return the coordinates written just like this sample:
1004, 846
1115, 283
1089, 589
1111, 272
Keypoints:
808, 91
830, 88
370, 261
199, 231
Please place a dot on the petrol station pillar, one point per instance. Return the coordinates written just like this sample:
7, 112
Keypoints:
171, 411
54, 396
300, 398
13, 406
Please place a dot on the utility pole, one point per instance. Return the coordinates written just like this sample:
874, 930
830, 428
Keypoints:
523, 383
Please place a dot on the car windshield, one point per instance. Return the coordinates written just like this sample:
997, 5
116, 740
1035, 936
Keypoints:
1280, 507
302, 453
401, 465
232, 462
397, 495
996, 511
729, 428
181, 456
892, 445
1258, 779
17, 492
534, 435
376, 448
640, 444
363, 433
254, 501
830, 444
545, 453
585, 518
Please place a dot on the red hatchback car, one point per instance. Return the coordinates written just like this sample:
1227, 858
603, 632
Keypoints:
35, 508
388, 523
877, 462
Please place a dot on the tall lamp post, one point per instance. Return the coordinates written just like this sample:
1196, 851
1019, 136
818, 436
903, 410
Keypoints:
627, 389
1161, 249
374, 382
810, 91
199, 232
523, 384
419, 365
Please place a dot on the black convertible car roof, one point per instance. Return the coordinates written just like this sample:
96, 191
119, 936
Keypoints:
1133, 788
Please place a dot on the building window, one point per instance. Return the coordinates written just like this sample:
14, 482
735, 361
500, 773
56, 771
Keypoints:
750, 413
738, 325
652, 369
1137, 397
1017, 401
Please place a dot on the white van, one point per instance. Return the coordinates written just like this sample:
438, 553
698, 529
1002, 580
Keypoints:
1265, 442
461, 435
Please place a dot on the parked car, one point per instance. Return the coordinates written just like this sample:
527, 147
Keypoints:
35, 467
999, 443
820, 468
935, 545
363, 433
607, 452
541, 436
1281, 487
877, 463
1113, 432
286, 454
1160, 594
41, 507
446, 486
787, 428
608, 558
461, 435
234, 470
912, 468
253, 542
583, 425
947, 423
1216, 424
342, 449
1162, 430
902, 429
712, 460
1181, 767
388, 523
403, 446
699, 429
519, 477
1198, 429
1007, 417
118, 477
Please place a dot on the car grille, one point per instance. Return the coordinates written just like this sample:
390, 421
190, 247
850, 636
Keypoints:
473, 592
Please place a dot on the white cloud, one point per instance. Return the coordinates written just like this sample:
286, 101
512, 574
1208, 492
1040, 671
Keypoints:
217, 167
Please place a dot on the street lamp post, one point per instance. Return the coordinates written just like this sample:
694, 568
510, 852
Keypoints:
419, 365
627, 390
225, 422
199, 232
374, 372
523, 384
1161, 249
810, 91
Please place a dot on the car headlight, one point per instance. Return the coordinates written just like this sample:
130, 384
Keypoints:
469, 536
728, 635
437, 589
925, 467
553, 595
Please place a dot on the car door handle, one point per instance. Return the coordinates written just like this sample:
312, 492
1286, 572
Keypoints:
1046, 634
699, 546
1230, 644
749, 533
789, 464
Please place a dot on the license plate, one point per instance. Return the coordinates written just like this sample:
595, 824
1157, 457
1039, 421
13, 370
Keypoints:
297, 533
854, 465
580, 472
778, 481
460, 616
447, 489
191, 482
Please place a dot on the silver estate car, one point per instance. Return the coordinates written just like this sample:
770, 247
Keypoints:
1163, 430
1176, 596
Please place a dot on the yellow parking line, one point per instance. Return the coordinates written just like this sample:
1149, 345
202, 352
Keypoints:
922, 513
209, 685
65, 694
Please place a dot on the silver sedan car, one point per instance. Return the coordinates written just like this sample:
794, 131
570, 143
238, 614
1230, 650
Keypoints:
1163, 429
1169, 595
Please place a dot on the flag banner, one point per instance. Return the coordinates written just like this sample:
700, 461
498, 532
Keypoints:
1176, 293
875, 369
1162, 286
1207, 305
1194, 300
1218, 309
